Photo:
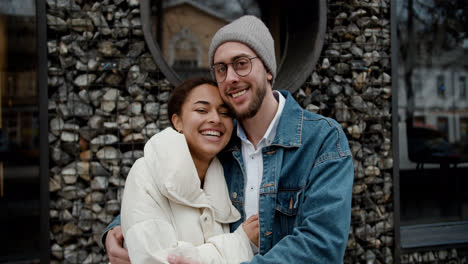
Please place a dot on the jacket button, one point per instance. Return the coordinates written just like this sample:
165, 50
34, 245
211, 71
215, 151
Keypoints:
234, 195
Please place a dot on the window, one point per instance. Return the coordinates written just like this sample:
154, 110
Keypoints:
464, 128
462, 86
417, 85
440, 86
432, 147
20, 209
442, 125
162, 20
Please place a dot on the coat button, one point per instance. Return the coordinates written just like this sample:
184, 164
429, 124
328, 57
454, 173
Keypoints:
234, 195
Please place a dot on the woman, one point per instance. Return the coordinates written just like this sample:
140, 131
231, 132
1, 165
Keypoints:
176, 199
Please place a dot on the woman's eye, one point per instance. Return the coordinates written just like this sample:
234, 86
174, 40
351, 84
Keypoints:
201, 110
225, 113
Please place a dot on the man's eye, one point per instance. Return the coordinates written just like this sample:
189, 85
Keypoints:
241, 63
221, 68
200, 110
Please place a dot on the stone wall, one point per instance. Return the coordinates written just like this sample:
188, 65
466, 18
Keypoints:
352, 84
107, 97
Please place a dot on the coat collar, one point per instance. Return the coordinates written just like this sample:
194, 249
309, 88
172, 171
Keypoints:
177, 179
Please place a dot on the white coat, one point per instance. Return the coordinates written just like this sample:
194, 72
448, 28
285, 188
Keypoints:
164, 210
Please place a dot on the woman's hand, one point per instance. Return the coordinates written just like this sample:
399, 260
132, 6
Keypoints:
251, 228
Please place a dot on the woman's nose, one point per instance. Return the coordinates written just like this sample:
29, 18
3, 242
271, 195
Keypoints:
214, 117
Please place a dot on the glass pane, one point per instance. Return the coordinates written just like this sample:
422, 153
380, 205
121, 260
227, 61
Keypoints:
187, 27
433, 110
19, 133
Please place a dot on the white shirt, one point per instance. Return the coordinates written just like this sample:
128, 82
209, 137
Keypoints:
253, 159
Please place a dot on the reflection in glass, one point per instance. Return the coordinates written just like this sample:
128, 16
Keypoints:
19, 133
184, 29
433, 110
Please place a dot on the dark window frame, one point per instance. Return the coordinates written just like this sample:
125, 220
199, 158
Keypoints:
440, 80
462, 86
401, 243
42, 70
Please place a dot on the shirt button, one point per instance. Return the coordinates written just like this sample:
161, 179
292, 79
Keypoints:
251, 188
234, 195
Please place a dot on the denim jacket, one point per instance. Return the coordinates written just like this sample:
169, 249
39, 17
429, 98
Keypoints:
305, 193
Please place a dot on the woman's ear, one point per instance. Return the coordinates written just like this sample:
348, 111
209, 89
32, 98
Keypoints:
177, 122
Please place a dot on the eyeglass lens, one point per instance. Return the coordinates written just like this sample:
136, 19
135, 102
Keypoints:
242, 66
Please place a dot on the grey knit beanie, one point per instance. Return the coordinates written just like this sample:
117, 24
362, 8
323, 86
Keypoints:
252, 32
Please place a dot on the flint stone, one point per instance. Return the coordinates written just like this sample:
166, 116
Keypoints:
125, 129
54, 184
135, 137
56, 126
137, 123
95, 122
101, 140
135, 108
57, 251
62, 204
113, 206
94, 197
69, 136
56, 23
99, 183
84, 80
110, 125
358, 103
335, 89
108, 154
122, 103
342, 113
152, 109
150, 130
129, 157
312, 108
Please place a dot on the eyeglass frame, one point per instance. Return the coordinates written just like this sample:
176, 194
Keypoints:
233, 67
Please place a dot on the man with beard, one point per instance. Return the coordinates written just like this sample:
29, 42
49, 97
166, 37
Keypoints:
291, 167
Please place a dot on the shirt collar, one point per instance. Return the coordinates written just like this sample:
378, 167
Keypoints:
270, 134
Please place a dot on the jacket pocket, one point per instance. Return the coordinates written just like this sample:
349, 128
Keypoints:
287, 202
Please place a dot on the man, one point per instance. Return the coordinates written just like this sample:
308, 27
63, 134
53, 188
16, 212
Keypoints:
291, 167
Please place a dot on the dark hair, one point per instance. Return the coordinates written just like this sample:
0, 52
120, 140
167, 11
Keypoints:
180, 93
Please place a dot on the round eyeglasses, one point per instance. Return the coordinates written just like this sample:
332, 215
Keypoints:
242, 66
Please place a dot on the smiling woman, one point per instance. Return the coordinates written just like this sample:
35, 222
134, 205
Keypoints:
177, 191
204, 120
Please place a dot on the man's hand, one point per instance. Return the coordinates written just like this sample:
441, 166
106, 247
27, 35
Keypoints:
173, 259
114, 246
251, 228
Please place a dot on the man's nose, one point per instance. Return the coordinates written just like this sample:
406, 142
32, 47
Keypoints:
231, 75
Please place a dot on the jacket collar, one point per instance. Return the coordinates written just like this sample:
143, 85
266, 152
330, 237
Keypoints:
177, 178
289, 130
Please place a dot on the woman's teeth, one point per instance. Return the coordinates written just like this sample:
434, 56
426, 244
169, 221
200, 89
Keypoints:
235, 95
211, 133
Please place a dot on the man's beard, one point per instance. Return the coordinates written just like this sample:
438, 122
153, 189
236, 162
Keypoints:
253, 107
